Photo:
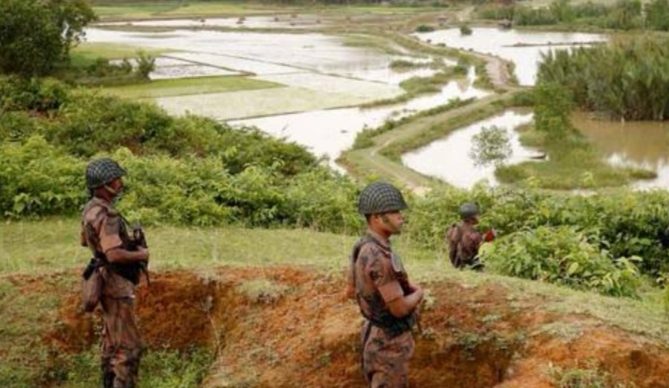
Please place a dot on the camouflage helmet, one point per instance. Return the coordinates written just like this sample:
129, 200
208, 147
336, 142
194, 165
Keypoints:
468, 210
100, 172
380, 197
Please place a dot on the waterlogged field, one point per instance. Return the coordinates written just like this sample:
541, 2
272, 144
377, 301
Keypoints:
642, 144
450, 159
523, 48
330, 132
318, 70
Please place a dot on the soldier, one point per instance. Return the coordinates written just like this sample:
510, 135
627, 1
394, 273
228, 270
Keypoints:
119, 261
380, 284
464, 240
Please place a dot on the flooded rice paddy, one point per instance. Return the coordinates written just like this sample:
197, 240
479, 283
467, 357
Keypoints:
449, 158
523, 48
642, 144
323, 80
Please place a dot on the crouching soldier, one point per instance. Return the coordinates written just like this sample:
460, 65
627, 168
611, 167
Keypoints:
117, 262
382, 289
464, 240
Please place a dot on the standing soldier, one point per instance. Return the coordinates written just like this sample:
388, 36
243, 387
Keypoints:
380, 284
464, 240
118, 261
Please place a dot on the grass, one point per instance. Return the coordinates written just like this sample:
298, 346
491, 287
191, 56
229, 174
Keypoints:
188, 86
88, 53
416, 86
581, 378
573, 164
108, 10
376, 42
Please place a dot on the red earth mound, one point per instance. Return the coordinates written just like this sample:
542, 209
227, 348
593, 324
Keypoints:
278, 327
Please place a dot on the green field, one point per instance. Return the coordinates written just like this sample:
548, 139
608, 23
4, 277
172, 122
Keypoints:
166, 9
188, 86
86, 54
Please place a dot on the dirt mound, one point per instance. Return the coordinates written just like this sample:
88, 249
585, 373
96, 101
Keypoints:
272, 327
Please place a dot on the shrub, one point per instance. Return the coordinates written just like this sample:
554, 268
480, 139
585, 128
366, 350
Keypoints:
38, 95
628, 79
562, 255
146, 63
424, 28
37, 179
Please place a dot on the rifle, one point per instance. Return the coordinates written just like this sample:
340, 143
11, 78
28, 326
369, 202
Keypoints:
133, 242
139, 240
403, 279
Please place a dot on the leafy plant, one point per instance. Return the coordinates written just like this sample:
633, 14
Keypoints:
562, 255
491, 146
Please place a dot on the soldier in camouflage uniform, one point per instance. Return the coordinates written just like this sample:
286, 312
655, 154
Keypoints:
464, 240
104, 231
381, 287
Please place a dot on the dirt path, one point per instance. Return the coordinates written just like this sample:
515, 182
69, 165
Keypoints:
371, 161
277, 326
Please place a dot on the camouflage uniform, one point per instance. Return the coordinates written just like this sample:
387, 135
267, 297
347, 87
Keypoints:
464, 242
387, 343
121, 342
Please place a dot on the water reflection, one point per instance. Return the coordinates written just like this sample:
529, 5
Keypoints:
524, 48
642, 144
449, 159
330, 132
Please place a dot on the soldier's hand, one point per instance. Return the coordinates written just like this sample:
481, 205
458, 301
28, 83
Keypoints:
144, 253
419, 291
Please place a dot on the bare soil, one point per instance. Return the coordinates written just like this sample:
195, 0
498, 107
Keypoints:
304, 331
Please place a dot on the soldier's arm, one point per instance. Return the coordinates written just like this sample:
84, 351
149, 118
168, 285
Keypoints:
112, 245
405, 305
385, 280
123, 256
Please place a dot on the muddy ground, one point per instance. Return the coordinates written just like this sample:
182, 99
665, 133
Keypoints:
275, 327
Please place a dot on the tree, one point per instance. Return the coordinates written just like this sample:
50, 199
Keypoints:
657, 15
553, 105
36, 35
491, 146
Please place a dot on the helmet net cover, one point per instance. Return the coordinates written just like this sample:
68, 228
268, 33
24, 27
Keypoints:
380, 197
102, 171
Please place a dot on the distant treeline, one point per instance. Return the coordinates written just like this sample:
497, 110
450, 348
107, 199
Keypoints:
622, 15
296, 2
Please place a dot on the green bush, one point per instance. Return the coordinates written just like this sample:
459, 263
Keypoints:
424, 28
624, 223
86, 123
37, 179
465, 30
562, 255
146, 63
628, 79
38, 95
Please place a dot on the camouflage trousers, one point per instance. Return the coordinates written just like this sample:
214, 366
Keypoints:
121, 344
385, 360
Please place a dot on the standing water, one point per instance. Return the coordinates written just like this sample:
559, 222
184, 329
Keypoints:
449, 159
643, 144
523, 48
